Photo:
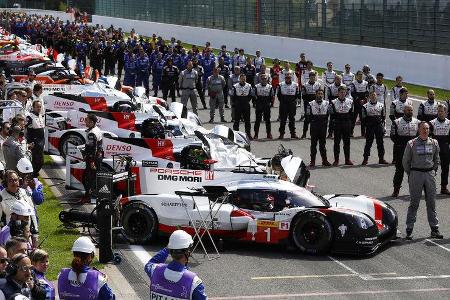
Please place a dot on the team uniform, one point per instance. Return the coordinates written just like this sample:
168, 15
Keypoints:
317, 114
143, 72
288, 94
440, 130
242, 95
264, 96
373, 118
309, 90
341, 112
427, 110
348, 78
168, 81
359, 91
328, 77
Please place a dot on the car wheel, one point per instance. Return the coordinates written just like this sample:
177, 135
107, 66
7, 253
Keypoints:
140, 224
73, 138
312, 233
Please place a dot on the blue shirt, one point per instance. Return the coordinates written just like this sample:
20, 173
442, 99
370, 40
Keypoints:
160, 257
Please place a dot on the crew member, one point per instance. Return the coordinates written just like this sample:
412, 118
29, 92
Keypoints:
129, 78
13, 150
440, 130
93, 155
398, 106
157, 68
250, 71
317, 114
143, 70
199, 86
359, 91
258, 61
373, 118
242, 95
224, 71
215, 85
421, 161
341, 111
380, 89
428, 109
328, 75
264, 97
35, 134
395, 91
187, 81
20, 212
234, 79
331, 93
309, 90
347, 75
402, 130
169, 77
174, 280
81, 281
288, 94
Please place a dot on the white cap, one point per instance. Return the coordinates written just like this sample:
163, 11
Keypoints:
21, 297
24, 166
22, 208
83, 244
180, 239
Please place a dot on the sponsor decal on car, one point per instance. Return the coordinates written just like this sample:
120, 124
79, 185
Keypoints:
150, 163
178, 175
265, 223
173, 204
284, 226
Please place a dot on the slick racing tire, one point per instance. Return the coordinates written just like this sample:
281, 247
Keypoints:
139, 222
73, 138
312, 233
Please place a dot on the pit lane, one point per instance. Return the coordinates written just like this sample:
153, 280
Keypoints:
417, 269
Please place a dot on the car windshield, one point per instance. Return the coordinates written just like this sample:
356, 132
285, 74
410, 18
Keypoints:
303, 198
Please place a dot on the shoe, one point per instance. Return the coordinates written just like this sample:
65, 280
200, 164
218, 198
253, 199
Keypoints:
435, 234
444, 190
409, 235
204, 107
336, 162
294, 136
395, 192
211, 121
250, 136
312, 163
365, 162
382, 161
223, 120
255, 137
269, 136
325, 163
281, 136
302, 118
348, 162
226, 106
303, 136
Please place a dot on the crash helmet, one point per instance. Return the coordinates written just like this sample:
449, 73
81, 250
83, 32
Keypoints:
22, 208
24, 166
180, 240
152, 128
83, 244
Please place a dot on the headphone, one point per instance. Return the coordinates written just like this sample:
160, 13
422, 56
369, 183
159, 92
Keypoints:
13, 266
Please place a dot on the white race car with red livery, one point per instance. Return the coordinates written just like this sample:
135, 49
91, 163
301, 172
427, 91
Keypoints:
263, 210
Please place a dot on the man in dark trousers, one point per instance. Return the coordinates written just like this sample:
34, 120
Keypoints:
242, 95
264, 96
317, 113
288, 94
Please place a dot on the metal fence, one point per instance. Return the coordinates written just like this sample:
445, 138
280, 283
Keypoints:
417, 25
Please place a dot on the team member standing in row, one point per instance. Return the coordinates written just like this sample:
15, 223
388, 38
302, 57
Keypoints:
187, 82
402, 130
215, 86
264, 97
317, 114
169, 78
440, 130
242, 95
288, 94
341, 111
359, 90
373, 118
428, 109
309, 90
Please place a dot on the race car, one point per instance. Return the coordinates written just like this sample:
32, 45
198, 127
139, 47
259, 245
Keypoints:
266, 210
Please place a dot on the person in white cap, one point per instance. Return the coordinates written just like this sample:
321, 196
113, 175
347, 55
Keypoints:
82, 281
32, 185
174, 280
14, 193
21, 212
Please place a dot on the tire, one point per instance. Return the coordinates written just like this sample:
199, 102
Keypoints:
140, 224
312, 233
74, 138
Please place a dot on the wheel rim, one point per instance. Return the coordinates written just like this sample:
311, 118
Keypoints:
73, 139
312, 234
137, 224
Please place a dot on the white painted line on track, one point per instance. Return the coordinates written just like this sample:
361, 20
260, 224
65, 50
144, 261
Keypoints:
140, 253
408, 277
333, 294
344, 266
439, 245
57, 159
320, 276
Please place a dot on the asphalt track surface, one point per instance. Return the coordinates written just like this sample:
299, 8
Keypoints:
419, 269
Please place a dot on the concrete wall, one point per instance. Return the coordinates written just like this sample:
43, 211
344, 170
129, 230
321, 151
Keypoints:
415, 67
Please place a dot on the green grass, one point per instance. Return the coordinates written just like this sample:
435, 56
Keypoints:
48, 161
59, 240
414, 90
